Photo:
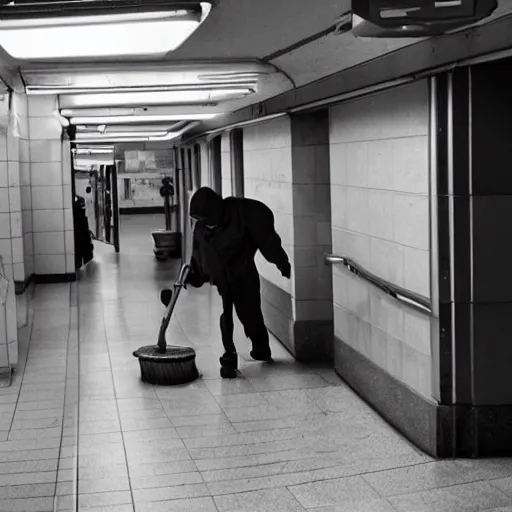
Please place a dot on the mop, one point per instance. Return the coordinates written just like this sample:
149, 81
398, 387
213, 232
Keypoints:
168, 364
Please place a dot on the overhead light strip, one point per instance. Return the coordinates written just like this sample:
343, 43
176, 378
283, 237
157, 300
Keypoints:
242, 87
108, 35
167, 137
139, 99
96, 135
133, 119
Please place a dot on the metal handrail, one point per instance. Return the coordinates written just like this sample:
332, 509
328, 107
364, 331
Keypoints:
406, 297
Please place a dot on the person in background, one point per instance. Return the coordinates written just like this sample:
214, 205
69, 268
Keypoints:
227, 234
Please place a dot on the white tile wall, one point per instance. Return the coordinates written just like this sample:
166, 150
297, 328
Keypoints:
286, 165
225, 154
379, 151
51, 195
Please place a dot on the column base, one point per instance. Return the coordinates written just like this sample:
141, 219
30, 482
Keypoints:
307, 340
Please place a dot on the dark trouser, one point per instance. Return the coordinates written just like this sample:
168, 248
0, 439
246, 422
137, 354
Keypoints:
246, 299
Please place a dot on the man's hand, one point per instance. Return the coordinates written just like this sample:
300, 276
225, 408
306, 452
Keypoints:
286, 270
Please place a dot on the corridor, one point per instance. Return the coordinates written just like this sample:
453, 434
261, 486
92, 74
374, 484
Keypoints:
79, 431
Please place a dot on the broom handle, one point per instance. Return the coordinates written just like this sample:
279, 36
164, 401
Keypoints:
176, 289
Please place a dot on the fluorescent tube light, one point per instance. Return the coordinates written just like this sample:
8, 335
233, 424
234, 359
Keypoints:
100, 151
151, 98
109, 35
96, 135
109, 120
48, 90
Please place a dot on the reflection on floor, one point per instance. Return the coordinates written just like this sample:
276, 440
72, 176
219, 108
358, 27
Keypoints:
79, 431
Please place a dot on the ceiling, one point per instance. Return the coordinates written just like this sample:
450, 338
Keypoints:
289, 42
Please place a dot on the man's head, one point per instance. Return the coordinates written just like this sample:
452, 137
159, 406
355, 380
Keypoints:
207, 205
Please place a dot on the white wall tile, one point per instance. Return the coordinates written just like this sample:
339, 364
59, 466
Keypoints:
69, 242
14, 174
352, 245
380, 214
70, 264
47, 198
338, 164
15, 199
6, 250
16, 224
45, 128
45, 151
17, 250
417, 270
42, 106
272, 134
28, 243
46, 174
19, 272
356, 158
400, 112
26, 198
4, 200
5, 225
411, 220
24, 150
48, 221
417, 331
67, 196
387, 260
50, 264
4, 175
25, 174
49, 243
387, 314
411, 164
27, 220
358, 210
68, 220
351, 293
339, 206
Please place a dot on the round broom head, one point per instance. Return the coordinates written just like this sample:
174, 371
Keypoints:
175, 366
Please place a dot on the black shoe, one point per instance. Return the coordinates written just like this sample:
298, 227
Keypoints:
262, 356
165, 297
229, 360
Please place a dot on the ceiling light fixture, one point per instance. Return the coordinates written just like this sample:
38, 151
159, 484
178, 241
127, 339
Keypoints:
102, 135
151, 98
106, 35
93, 151
109, 120
47, 90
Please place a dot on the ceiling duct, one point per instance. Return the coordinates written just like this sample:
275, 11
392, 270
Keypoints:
416, 18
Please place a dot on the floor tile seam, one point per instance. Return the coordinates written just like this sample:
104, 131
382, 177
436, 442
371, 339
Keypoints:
30, 318
116, 403
186, 448
256, 443
315, 480
66, 391
441, 487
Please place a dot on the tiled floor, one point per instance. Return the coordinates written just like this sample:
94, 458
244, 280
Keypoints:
79, 431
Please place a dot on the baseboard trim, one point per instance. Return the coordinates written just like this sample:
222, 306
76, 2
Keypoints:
54, 278
412, 415
143, 210
20, 287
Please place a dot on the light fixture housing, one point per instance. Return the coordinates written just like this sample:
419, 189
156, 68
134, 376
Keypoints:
133, 119
138, 99
61, 30
96, 135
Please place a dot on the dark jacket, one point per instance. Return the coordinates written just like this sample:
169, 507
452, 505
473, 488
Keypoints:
227, 235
